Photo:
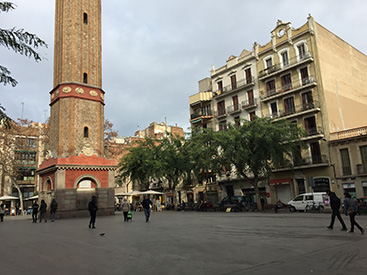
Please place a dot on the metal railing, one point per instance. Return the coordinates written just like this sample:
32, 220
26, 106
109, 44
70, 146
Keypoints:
293, 110
200, 114
239, 84
289, 87
278, 68
249, 103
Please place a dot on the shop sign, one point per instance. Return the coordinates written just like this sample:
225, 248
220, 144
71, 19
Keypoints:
364, 183
280, 181
349, 185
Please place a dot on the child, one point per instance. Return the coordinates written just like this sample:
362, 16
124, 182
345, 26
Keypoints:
129, 216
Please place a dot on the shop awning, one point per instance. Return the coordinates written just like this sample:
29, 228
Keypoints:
280, 181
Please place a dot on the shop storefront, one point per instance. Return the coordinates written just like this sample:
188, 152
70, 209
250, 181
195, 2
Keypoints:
282, 189
350, 188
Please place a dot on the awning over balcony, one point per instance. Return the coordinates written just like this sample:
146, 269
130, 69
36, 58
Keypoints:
280, 181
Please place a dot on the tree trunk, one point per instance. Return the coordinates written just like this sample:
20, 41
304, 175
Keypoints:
257, 192
20, 195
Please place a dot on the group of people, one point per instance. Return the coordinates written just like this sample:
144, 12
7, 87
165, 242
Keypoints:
350, 209
42, 209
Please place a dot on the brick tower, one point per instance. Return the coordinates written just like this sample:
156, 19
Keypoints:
77, 168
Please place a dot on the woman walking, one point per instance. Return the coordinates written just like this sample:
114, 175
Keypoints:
350, 210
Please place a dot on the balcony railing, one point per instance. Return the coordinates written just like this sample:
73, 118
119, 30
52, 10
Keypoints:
291, 87
316, 159
239, 84
247, 104
314, 131
220, 113
277, 68
234, 109
295, 110
200, 114
356, 132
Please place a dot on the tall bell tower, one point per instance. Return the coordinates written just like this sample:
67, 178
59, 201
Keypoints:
77, 168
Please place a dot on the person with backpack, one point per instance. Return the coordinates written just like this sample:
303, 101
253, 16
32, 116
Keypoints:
335, 206
43, 210
53, 209
350, 209
35, 207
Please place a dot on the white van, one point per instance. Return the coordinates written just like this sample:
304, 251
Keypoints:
305, 201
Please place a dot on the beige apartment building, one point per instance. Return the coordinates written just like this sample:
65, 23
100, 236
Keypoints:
312, 77
309, 76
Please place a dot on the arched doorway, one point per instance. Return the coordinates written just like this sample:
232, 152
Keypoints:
85, 188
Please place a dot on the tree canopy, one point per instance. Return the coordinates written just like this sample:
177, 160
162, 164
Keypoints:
19, 41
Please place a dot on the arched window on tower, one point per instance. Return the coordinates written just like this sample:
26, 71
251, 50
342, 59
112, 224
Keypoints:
85, 18
86, 132
85, 78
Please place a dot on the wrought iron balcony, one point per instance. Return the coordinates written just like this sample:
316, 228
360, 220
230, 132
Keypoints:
288, 88
279, 68
239, 85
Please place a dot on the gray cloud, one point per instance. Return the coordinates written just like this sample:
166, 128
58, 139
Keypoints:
154, 52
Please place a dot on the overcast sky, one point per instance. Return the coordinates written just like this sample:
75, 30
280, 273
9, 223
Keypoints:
154, 52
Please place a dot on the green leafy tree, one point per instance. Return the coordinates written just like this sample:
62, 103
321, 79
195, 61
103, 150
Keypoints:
173, 157
139, 165
204, 155
20, 41
256, 147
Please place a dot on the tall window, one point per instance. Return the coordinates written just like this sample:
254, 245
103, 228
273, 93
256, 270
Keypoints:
220, 86
310, 125
286, 82
235, 103
270, 87
304, 76
344, 154
252, 116
289, 106
301, 186
274, 109
85, 78
86, 132
301, 51
248, 76
285, 59
364, 158
250, 97
307, 100
223, 125
233, 82
269, 63
315, 152
85, 18
221, 108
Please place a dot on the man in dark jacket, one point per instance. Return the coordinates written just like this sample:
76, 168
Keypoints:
335, 206
43, 210
35, 207
146, 205
92, 207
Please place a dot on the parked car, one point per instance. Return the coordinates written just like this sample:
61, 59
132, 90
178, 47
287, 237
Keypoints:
231, 202
318, 200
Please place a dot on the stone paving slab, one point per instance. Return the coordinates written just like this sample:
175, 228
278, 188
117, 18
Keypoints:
183, 243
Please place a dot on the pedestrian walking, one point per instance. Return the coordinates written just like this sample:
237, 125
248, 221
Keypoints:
158, 204
43, 210
93, 208
335, 206
146, 205
35, 207
350, 209
2, 212
53, 209
125, 207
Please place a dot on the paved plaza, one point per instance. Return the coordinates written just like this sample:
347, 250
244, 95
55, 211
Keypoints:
184, 243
